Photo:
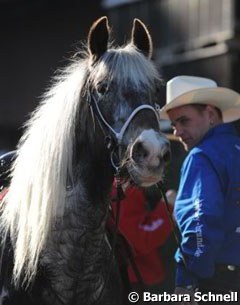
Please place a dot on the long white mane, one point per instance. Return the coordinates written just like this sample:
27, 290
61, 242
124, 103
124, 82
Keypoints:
37, 191
44, 159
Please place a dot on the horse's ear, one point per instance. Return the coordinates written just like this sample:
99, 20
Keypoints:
98, 38
141, 37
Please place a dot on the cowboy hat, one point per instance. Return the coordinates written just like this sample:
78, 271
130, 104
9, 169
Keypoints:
185, 90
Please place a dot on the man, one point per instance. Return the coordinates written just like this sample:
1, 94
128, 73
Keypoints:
207, 207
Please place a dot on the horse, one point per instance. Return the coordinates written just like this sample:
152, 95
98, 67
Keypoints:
99, 119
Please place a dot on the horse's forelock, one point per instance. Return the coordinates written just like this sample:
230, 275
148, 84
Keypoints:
125, 65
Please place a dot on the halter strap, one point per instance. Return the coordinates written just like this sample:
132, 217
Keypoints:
119, 135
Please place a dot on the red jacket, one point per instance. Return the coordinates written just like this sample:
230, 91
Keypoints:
146, 231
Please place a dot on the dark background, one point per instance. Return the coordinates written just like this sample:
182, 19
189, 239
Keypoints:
37, 37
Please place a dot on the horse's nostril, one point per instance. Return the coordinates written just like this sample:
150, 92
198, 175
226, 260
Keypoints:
139, 152
167, 156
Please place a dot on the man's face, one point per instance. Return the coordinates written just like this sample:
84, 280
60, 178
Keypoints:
189, 124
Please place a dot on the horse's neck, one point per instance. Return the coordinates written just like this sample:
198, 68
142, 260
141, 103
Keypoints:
93, 168
77, 249
95, 176
88, 199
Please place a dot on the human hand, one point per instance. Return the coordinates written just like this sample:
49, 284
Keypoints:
186, 291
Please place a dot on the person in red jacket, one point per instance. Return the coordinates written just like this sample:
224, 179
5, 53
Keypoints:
144, 222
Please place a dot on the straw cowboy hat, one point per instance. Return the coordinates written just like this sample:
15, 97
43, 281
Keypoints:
185, 90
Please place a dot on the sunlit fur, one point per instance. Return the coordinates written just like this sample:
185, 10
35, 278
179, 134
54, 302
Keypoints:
124, 65
44, 159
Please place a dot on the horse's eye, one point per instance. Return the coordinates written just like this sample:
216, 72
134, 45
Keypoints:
158, 90
102, 89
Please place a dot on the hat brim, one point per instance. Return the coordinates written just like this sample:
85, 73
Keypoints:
227, 100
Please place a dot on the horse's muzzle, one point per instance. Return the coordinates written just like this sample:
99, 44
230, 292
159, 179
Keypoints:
151, 149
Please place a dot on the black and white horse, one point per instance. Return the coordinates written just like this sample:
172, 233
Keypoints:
99, 118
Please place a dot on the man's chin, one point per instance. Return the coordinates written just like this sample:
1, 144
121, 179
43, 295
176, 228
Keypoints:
187, 146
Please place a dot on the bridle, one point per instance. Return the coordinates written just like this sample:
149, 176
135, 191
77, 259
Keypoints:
113, 139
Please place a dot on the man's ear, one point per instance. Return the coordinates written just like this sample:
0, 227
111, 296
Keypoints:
213, 114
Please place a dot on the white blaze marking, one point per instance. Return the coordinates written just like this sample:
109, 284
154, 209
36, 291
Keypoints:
154, 143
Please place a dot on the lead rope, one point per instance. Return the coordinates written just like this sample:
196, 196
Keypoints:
175, 229
120, 196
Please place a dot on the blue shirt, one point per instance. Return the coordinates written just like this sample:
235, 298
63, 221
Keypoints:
207, 208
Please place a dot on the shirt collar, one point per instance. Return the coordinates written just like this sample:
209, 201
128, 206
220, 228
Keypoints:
224, 128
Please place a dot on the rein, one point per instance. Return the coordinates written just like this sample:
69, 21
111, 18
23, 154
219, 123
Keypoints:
120, 196
175, 229
176, 233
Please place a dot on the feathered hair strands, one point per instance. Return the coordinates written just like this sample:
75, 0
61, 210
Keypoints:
44, 157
